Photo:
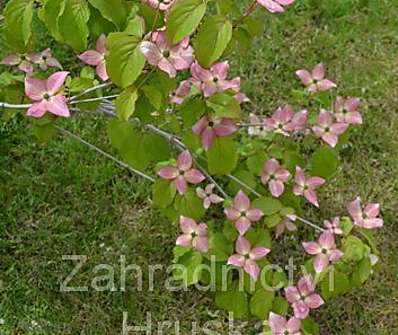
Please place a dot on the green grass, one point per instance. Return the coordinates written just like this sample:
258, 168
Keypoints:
63, 199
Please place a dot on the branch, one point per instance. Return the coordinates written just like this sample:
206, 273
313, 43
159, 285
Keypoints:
12, 106
89, 90
93, 147
93, 99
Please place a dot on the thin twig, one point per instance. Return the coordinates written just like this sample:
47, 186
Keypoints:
93, 99
309, 223
93, 147
89, 90
6, 105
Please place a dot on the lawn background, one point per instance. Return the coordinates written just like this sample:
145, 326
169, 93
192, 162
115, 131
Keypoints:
62, 199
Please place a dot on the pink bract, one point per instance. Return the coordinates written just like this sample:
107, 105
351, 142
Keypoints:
97, 58
303, 297
45, 95
333, 226
45, 59
275, 6
208, 196
281, 326
246, 257
327, 129
284, 120
306, 186
183, 174
275, 176
194, 235
367, 216
346, 110
23, 63
286, 224
242, 213
162, 5
169, 58
325, 250
315, 80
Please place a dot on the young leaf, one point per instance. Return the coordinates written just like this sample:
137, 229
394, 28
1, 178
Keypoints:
222, 156
190, 205
124, 60
183, 18
335, 284
125, 103
164, 192
362, 273
261, 303
268, 205
18, 16
112, 10
73, 24
212, 39
324, 162
224, 105
189, 272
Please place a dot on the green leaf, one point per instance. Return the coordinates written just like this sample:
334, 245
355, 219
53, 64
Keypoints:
18, 16
259, 237
98, 25
192, 110
234, 300
362, 272
280, 306
336, 283
324, 162
124, 60
79, 84
125, 103
183, 18
222, 156
370, 238
219, 247
255, 163
346, 225
246, 177
224, 105
261, 303
73, 24
353, 248
190, 205
189, 272
154, 96
50, 14
212, 39
309, 326
112, 10
136, 26
268, 205
164, 192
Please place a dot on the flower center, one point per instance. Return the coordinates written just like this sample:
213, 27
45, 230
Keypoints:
327, 129
280, 125
166, 53
46, 96
215, 79
211, 123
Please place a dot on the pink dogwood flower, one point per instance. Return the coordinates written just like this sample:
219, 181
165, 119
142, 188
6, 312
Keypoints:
281, 326
246, 257
275, 6
23, 62
306, 186
97, 58
183, 174
167, 57
208, 196
45, 95
209, 128
367, 216
177, 97
325, 250
286, 224
242, 213
275, 176
285, 121
303, 297
333, 226
346, 110
45, 59
327, 129
162, 5
194, 235
213, 80
315, 80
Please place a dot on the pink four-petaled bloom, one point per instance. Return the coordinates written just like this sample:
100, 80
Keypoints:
306, 186
284, 120
242, 213
162, 5
45, 59
275, 176
281, 326
327, 129
209, 128
97, 58
45, 95
246, 257
275, 6
177, 97
194, 235
183, 174
286, 224
315, 80
208, 196
213, 80
346, 110
167, 57
366, 217
303, 297
22, 61
333, 226
325, 250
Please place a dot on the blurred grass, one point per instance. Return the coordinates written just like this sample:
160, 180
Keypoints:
62, 199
